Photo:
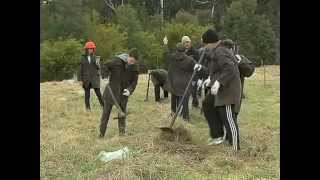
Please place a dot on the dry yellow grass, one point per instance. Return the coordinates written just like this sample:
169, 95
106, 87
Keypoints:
69, 137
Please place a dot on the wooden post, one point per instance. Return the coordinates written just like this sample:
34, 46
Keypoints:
161, 6
75, 76
157, 63
264, 74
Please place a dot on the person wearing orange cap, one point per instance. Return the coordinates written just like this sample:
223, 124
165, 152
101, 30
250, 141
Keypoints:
89, 74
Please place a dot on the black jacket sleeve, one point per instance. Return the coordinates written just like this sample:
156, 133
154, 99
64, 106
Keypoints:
134, 82
80, 72
114, 68
204, 71
195, 54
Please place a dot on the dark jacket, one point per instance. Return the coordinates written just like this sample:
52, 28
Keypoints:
89, 73
204, 72
192, 52
121, 76
223, 67
179, 73
159, 76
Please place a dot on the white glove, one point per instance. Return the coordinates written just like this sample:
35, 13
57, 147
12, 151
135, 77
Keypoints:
199, 83
215, 87
238, 57
126, 92
197, 67
207, 82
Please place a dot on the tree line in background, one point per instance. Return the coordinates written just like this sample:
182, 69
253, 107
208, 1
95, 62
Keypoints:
118, 25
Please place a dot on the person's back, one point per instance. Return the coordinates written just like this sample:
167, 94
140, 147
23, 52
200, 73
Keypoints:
180, 72
115, 69
158, 76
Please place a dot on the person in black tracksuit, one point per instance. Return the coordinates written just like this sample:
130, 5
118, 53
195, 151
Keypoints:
225, 91
89, 74
123, 79
158, 78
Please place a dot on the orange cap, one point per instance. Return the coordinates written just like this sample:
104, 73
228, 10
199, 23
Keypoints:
89, 45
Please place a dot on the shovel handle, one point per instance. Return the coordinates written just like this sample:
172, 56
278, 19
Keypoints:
147, 95
122, 114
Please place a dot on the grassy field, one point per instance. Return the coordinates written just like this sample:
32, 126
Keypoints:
69, 141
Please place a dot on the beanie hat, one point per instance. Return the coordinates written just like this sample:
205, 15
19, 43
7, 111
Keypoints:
185, 39
210, 36
123, 57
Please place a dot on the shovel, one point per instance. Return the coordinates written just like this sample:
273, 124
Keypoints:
169, 129
121, 113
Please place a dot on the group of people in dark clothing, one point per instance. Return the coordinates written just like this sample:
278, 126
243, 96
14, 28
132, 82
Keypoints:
220, 72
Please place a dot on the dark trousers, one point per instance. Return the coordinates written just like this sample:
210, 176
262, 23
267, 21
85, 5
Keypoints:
195, 101
219, 117
87, 96
106, 115
175, 103
157, 92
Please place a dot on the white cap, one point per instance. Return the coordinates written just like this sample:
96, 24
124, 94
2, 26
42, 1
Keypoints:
185, 39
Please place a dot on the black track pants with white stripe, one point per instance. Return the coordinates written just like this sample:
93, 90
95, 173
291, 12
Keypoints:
227, 116
211, 114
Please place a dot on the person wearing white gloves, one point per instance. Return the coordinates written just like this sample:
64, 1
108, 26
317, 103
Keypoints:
123, 78
225, 92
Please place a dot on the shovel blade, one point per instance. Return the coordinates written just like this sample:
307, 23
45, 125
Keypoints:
166, 129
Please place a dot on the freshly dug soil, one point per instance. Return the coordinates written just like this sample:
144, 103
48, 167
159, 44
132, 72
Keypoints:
179, 134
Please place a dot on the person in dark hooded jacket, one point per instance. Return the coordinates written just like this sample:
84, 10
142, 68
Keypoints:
246, 69
123, 78
180, 71
89, 74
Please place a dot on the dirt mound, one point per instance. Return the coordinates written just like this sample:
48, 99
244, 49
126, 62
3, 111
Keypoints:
179, 134
179, 141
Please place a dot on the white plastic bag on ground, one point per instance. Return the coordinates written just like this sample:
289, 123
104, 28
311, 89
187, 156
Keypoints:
109, 156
